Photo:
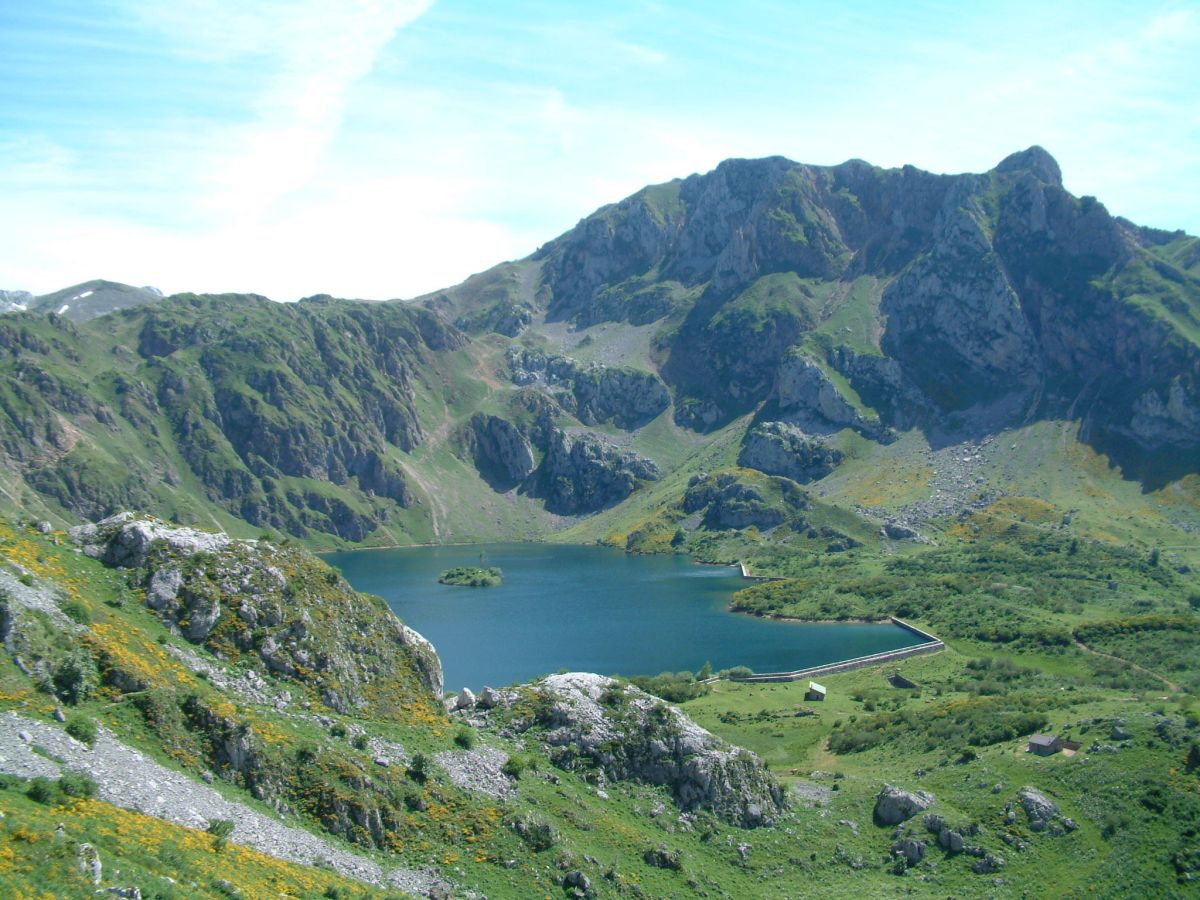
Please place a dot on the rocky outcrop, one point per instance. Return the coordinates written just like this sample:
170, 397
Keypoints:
894, 805
591, 722
778, 448
1168, 416
308, 626
805, 390
584, 473
1041, 812
627, 397
501, 452
126, 541
725, 501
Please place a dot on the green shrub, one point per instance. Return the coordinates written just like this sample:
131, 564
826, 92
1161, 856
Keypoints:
418, 768
75, 678
77, 611
42, 790
220, 829
514, 766
465, 737
78, 784
82, 729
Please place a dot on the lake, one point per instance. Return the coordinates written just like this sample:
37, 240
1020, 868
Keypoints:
592, 609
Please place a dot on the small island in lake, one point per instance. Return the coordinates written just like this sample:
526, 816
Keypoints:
471, 576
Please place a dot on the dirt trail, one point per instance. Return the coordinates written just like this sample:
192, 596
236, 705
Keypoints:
1170, 684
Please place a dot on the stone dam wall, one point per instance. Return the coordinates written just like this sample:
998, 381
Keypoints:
932, 644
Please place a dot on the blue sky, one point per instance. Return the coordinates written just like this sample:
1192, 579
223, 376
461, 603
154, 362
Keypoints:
383, 148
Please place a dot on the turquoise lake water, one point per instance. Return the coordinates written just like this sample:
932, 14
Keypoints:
592, 609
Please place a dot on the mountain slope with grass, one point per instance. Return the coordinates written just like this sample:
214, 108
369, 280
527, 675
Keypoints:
290, 738
907, 347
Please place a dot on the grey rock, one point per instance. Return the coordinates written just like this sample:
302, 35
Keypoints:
162, 590
990, 862
87, 862
1039, 808
1119, 733
126, 541
778, 448
894, 805
501, 452
911, 849
586, 473
951, 840
804, 388
465, 699
584, 727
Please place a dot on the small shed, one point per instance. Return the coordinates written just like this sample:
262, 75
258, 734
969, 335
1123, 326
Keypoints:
895, 679
815, 691
1044, 744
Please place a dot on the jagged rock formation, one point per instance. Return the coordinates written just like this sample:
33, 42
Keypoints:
778, 448
501, 452
583, 473
821, 298
627, 397
592, 722
976, 289
238, 599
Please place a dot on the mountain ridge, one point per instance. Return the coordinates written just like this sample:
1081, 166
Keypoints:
823, 305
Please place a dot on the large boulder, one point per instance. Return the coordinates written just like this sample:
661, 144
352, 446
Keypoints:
588, 721
894, 805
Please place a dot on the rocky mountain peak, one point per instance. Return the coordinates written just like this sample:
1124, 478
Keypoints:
1036, 160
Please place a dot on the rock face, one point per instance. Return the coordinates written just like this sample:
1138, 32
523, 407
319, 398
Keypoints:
803, 386
725, 501
894, 805
627, 397
584, 473
234, 598
778, 448
591, 722
236, 400
501, 452
990, 287
126, 541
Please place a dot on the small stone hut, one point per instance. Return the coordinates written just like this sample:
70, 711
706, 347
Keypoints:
1044, 744
815, 691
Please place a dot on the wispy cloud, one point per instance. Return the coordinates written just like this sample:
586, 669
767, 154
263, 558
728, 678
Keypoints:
380, 149
309, 54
